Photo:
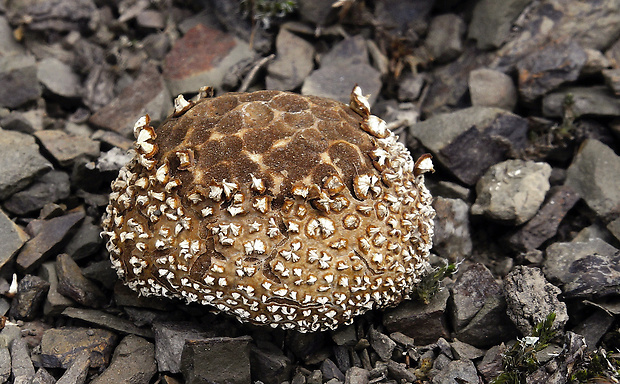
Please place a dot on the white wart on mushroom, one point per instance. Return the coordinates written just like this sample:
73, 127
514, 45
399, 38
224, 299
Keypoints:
295, 211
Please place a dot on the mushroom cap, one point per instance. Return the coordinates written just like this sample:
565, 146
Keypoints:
295, 211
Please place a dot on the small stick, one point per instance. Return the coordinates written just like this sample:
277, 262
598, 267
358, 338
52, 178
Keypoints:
248, 79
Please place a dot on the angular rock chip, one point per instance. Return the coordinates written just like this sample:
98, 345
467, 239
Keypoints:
61, 346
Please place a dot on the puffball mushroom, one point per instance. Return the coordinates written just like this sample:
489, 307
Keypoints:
295, 211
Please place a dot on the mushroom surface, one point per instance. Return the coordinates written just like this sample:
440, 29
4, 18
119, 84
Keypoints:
295, 211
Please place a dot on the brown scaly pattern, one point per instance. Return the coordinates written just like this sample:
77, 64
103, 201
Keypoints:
294, 211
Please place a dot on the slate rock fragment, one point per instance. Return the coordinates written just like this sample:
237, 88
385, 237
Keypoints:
58, 78
512, 191
293, 63
16, 175
584, 270
460, 371
445, 37
18, 76
61, 346
382, 344
31, 293
55, 303
452, 237
531, 298
77, 372
12, 237
491, 88
169, 342
21, 364
133, 362
582, 101
216, 360
492, 21
73, 284
269, 364
49, 188
66, 148
595, 175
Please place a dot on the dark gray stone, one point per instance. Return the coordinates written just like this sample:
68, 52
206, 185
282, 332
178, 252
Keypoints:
460, 371
293, 63
316, 11
400, 372
452, 238
445, 37
269, 364
106, 320
56, 15
55, 303
331, 371
217, 360
594, 327
58, 78
12, 237
77, 372
49, 188
583, 101
464, 351
16, 175
469, 141
5, 363
356, 375
86, 241
545, 223
21, 365
595, 175
584, 270
169, 341
424, 323
512, 191
336, 82
345, 335
489, 326
530, 299
31, 293
133, 362
146, 95
404, 16
491, 364
469, 293
60, 347
559, 368
47, 240
492, 21
409, 87
43, 377
73, 284
24, 121
66, 148
490, 88
381, 343
18, 76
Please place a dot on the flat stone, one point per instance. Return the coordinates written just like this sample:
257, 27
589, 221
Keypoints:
12, 238
584, 270
491, 364
469, 141
492, 21
459, 371
21, 365
336, 82
445, 37
491, 88
410, 87
146, 95
150, 18
217, 360
595, 175
86, 241
452, 238
512, 191
31, 293
67, 148
49, 238
55, 303
202, 57
531, 298
293, 63
23, 121
424, 323
56, 15
382, 344
549, 67
77, 372
60, 347
489, 326
269, 364
5, 364
594, 327
464, 351
58, 78
357, 375
350, 51
470, 292
400, 372
73, 284
43, 377
344, 335
545, 223
584, 101
16, 175
49, 188
106, 320
169, 341
133, 362
18, 76
331, 371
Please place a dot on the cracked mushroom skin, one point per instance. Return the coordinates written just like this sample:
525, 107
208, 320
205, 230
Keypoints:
295, 211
